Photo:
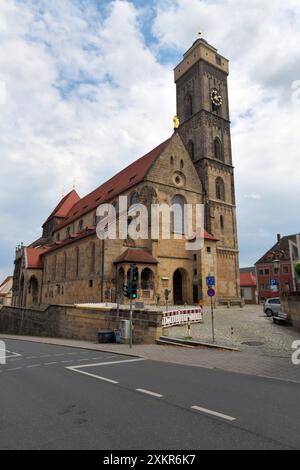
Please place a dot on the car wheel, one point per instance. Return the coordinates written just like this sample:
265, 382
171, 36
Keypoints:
269, 313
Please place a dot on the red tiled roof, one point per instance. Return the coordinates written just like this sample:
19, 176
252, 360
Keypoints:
74, 237
136, 255
63, 208
127, 178
33, 257
208, 236
247, 279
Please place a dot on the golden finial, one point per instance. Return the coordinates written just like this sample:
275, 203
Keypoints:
176, 122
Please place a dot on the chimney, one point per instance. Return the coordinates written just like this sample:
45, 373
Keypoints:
278, 237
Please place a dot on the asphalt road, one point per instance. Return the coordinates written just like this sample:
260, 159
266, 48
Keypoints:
55, 397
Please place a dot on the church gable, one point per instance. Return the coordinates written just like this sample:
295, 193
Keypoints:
175, 168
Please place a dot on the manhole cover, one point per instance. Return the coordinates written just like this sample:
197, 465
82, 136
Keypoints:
253, 343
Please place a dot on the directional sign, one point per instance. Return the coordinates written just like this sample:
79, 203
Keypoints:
211, 292
210, 281
274, 282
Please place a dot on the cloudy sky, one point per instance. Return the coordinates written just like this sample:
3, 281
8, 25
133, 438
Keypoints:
86, 87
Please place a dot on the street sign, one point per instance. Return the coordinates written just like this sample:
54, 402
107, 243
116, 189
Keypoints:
210, 281
211, 293
274, 282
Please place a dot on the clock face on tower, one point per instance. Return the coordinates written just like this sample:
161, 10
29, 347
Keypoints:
216, 98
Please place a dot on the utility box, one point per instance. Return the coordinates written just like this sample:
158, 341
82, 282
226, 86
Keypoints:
125, 331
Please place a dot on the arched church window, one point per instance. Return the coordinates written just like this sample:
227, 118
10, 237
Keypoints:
93, 257
181, 164
172, 160
222, 224
220, 189
188, 106
81, 225
77, 262
147, 279
178, 219
191, 149
54, 268
218, 149
134, 199
65, 265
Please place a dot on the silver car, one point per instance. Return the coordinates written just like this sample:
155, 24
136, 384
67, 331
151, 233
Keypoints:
272, 306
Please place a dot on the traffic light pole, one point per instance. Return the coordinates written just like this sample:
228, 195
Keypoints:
131, 307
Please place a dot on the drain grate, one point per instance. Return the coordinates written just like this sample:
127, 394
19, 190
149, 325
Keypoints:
253, 343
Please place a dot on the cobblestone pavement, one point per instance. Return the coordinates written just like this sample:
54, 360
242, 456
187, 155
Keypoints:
249, 325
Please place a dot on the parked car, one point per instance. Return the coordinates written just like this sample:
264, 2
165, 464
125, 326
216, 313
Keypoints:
272, 306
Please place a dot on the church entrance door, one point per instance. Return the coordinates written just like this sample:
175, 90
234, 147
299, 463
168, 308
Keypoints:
177, 288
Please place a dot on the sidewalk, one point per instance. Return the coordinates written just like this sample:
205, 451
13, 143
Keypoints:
280, 368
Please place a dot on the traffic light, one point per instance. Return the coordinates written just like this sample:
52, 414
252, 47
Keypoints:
167, 294
126, 292
135, 280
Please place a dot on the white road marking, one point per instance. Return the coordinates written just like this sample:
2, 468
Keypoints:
213, 413
94, 376
12, 370
110, 363
33, 365
77, 368
50, 363
9, 354
148, 392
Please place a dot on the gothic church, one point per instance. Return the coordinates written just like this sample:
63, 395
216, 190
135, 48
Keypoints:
70, 265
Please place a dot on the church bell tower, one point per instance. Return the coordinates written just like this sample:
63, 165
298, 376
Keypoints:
203, 110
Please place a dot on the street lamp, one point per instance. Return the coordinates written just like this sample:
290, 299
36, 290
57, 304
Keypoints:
276, 265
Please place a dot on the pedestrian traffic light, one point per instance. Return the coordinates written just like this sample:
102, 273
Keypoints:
126, 292
167, 294
135, 280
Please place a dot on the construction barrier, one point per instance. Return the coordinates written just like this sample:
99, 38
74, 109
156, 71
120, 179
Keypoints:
182, 316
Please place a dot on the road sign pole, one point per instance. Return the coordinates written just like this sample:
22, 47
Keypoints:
212, 320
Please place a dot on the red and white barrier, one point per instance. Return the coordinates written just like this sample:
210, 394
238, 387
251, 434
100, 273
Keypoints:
182, 316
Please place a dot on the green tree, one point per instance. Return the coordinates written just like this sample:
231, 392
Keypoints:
297, 268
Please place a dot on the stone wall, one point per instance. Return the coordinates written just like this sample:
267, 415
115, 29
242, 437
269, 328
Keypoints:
291, 306
69, 322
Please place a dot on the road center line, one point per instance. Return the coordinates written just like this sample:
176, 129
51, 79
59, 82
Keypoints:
50, 363
213, 413
148, 392
33, 365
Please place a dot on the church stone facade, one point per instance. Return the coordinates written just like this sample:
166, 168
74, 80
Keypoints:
70, 264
